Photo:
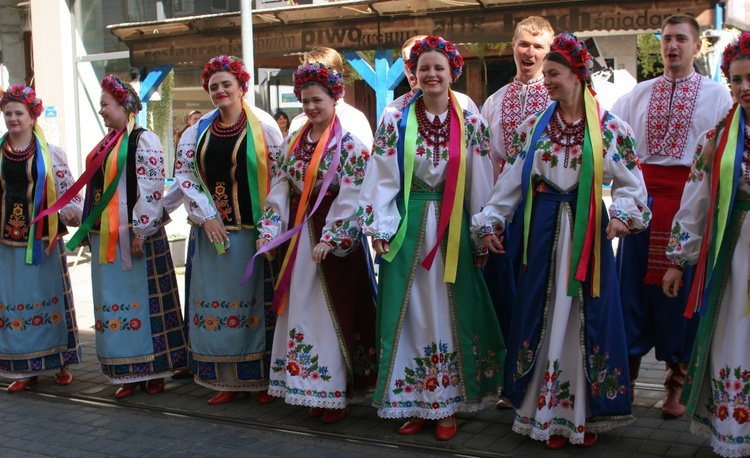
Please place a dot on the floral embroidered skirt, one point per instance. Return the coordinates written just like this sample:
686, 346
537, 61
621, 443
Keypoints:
38, 330
441, 348
557, 398
139, 330
717, 387
231, 324
324, 347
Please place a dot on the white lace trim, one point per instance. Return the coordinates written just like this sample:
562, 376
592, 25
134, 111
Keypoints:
720, 448
297, 400
21, 375
437, 414
139, 377
218, 386
573, 436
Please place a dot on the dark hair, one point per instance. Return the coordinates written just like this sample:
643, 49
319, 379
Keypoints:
683, 19
558, 58
280, 114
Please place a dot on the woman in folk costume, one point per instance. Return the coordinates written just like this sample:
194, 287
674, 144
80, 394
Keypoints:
440, 346
712, 229
566, 366
139, 336
224, 166
38, 331
324, 346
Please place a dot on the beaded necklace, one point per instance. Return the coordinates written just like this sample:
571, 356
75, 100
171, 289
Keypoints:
436, 134
18, 154
219, 130
305, 147
566, 134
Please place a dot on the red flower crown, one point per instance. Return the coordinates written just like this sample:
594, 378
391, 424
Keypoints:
449, 49
231, 64
316, 72
740, 46
23, 94
123, 93
575, 53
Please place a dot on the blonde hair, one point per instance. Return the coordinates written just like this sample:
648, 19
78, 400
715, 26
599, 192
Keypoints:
535, 25
410, 42
326, 56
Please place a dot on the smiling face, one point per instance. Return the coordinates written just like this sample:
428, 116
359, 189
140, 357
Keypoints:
318, 105
559, 80
225, 90
113, 114
528, 53
679, 46
739, 81
18, 120
433, 73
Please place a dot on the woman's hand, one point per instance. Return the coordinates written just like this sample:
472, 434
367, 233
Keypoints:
671, 283
381, 246
136, 247
215, 231
480, 260
320, 251
616, 228
259, 243
493, 243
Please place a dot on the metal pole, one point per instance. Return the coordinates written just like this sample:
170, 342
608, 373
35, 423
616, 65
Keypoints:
247, 46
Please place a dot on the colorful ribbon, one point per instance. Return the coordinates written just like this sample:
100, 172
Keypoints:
586, 252
110, 219
256, 160
43, 198
453, 194
300, 219
727, 169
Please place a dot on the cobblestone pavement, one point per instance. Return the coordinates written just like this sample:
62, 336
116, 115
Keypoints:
53, 426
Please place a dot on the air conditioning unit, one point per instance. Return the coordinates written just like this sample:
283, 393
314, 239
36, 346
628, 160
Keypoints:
183, 7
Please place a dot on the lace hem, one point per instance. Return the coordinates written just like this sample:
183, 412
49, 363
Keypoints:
219, 386
22, 375
574, 437
336, 403
720, 448
140, 377
436, 414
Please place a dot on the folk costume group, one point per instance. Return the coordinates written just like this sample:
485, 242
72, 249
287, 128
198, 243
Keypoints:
496, 274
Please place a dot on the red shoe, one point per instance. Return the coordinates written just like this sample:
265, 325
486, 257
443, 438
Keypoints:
155, 386
556, 442
264, 397
64, 379
333, 415
20, 385
222, 398
126, 390
316, 412
590, 439
444, 433
182, 373
503, 405
412, 427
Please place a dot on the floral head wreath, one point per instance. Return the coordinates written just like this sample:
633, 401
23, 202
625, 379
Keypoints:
740, 46
316, 72
575, 53
123, 93
224, 63
23, 94
449, 49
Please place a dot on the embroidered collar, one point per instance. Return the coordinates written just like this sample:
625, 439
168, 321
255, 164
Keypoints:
532, 82
679, 80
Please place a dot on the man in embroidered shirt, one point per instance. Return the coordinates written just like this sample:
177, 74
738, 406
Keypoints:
668, 114
504, 111
400, 102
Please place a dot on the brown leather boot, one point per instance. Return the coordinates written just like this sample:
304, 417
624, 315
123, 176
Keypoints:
671, 407
634, 364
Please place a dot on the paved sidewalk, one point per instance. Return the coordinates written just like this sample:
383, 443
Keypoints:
487, 433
